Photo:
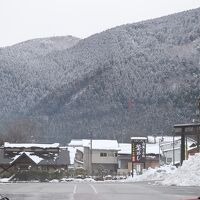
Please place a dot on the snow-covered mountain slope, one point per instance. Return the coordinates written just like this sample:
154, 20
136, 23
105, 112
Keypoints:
25, 75
134, 79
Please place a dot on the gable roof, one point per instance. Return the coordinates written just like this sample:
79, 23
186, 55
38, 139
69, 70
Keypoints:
35, 159
58, 159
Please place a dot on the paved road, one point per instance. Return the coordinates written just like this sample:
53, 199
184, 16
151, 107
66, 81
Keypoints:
95, 191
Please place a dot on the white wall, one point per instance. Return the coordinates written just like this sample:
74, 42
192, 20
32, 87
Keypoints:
109, 159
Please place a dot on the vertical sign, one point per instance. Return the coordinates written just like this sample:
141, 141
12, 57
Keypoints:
138, 151
133, 158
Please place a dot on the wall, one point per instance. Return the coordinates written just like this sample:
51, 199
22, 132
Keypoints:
111, 157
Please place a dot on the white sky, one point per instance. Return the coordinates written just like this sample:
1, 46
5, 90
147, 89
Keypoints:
27, 19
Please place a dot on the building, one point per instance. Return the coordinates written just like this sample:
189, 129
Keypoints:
15, 157
124, 159
99, 156
153, 155
171, 149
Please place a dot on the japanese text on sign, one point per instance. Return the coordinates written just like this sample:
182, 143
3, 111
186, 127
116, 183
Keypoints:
138, 151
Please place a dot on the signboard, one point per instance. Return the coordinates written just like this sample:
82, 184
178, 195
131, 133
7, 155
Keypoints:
138, 149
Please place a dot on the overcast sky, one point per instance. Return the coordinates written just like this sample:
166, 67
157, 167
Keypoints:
27, 19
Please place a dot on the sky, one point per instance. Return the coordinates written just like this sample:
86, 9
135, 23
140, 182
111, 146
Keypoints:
22, 20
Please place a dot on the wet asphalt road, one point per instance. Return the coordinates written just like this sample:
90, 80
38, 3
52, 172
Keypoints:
95, 191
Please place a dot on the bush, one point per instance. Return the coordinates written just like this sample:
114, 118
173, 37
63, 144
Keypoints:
41, 176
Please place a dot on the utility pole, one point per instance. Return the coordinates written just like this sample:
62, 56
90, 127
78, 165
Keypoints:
198, 118
173, 150
91, 169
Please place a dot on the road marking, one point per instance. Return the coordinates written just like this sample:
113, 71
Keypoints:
94, 189
75, 188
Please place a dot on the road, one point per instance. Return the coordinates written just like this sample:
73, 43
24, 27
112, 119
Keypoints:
95, 191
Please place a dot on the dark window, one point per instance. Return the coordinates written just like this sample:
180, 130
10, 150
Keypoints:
103, 154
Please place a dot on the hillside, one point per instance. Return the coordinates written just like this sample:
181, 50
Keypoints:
135, 79
25, 77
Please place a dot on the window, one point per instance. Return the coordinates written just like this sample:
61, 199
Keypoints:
103, 154
112, 154
169, 160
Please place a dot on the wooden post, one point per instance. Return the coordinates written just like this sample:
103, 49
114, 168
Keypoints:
182, 146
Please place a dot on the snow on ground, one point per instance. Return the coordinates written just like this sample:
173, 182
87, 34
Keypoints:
153, 174
186, 175
4, 180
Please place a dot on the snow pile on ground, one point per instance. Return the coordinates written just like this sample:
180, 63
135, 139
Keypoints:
186, 175
77, 180
153, 174
4, 180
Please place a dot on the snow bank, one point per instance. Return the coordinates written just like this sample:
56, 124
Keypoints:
4, 180
186, 175
153, 174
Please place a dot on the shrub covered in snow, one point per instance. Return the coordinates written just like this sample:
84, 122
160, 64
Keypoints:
41, 176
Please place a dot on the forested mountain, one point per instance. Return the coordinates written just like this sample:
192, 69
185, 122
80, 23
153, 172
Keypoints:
135, 79
25, 76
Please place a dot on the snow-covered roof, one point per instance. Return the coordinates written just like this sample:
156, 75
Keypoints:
96, 144
162, 139
152, 148
105, 144
34, 158
138, 138
169, 140
29, 145
125, 148
76, 143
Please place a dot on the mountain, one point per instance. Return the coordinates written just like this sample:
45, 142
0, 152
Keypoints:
25, 77
135, 79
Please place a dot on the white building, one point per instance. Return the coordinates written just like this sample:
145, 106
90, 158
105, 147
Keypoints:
99, 156
171, 149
